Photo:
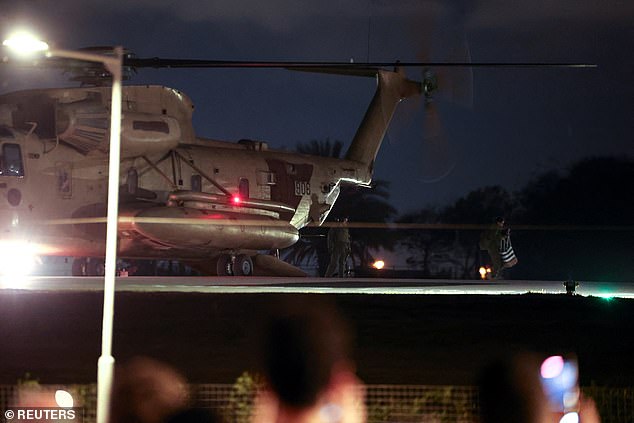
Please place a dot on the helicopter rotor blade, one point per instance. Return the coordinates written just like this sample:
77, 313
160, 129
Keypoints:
156, 62
448, 84
456, 83
437, 157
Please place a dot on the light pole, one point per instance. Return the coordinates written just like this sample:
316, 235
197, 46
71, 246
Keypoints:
113, 64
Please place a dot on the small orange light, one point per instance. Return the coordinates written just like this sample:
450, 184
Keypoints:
483, 272
379, 264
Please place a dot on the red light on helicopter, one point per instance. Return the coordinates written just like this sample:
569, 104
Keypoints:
236, 200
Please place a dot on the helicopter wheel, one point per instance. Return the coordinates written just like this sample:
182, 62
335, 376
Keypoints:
223, 266
243, 265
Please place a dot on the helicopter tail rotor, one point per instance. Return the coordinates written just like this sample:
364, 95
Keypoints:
437, 154
453, 85
439, 85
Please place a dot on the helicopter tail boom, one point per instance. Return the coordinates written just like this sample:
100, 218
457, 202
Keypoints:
392, 87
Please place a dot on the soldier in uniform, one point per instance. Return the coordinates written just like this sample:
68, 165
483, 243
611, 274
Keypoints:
490, 241
339, 249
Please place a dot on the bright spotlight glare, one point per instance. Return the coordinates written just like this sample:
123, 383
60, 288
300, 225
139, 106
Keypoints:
570, 418
17, 258
63, 399
24, 43
379, 264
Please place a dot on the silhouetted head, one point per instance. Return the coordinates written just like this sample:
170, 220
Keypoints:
304, 345
147, 391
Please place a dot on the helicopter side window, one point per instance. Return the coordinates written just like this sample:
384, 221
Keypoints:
156, 126
11, 160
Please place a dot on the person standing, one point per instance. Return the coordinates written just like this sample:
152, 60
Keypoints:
509, 259
491, 240
339, 249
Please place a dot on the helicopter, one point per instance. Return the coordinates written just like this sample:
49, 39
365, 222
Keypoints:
215, 205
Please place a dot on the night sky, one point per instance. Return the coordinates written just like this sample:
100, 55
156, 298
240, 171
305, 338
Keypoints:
522, 122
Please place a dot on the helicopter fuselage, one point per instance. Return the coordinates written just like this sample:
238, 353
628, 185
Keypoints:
180, 196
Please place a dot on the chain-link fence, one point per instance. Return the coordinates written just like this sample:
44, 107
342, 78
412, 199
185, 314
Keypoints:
384, 403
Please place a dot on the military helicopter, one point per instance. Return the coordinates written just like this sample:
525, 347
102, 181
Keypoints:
182, 196
212, 204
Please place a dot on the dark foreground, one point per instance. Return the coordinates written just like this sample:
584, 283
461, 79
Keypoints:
400, 339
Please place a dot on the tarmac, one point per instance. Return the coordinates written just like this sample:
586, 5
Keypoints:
210, 332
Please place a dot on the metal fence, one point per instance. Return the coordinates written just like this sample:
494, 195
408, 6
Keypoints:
384, 403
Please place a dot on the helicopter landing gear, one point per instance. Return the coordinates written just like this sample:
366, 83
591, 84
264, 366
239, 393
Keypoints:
223, 266
232, 265
242, 265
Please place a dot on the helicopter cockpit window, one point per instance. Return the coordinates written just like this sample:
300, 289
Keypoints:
156, 126
11, 160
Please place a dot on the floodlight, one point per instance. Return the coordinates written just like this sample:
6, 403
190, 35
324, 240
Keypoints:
24, 43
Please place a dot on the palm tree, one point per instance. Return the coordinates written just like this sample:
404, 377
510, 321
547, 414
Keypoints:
323, 148
423, 245
480, 206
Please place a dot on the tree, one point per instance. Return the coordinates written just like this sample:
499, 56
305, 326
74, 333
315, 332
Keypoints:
574, 224
456, 248
580, 209
424, 245
323, 148
480, 207
594, 191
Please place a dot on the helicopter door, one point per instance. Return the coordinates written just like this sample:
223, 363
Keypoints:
293, 181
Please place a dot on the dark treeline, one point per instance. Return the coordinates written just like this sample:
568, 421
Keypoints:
575, 224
